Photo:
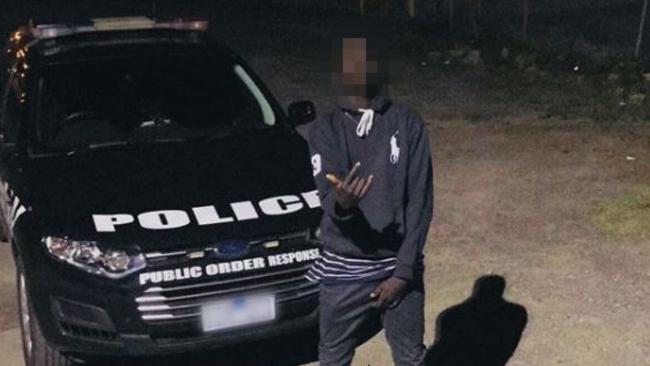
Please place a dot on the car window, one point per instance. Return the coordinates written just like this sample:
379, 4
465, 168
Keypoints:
147, 98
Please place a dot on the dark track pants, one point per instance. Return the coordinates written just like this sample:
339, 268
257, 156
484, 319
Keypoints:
347, 319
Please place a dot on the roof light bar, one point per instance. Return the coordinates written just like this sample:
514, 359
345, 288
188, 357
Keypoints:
43, 31
197, 25
122, 23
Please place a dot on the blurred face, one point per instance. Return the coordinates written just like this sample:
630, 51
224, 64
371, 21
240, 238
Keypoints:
359, 68
354, 62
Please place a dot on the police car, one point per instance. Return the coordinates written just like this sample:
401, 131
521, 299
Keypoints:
157, 198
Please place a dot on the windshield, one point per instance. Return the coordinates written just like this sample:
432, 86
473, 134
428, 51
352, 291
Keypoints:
147, 99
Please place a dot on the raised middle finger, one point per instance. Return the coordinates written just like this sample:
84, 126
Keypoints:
351, 174
352, 186
359, 187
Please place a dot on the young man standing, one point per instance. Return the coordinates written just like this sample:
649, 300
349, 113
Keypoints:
373, 172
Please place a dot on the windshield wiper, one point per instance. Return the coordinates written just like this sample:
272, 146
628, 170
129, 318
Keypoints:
99, 145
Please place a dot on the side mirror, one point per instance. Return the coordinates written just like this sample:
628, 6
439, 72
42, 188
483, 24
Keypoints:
301, 112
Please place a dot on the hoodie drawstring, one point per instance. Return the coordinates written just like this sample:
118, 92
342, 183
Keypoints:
365, 123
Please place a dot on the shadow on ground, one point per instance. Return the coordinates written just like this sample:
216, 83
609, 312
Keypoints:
484, 330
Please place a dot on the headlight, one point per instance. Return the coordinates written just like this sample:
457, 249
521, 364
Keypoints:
90, 257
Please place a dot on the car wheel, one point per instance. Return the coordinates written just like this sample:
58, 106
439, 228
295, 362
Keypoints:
36, 350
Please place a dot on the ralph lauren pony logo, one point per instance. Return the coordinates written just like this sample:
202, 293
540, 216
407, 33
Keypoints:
394, 148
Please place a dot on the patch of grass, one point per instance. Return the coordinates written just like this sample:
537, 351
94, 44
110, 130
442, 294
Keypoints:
628, 215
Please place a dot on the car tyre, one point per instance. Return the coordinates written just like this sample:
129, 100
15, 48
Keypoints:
36, 350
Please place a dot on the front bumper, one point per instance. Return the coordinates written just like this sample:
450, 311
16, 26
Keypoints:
85, 315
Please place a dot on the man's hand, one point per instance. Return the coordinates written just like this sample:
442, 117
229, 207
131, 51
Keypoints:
389, 293
349, 191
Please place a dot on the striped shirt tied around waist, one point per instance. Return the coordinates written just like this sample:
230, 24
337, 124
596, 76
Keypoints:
332, 268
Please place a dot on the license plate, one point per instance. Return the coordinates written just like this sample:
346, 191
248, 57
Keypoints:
237, 311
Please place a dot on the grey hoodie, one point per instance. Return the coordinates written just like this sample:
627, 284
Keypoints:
392, 219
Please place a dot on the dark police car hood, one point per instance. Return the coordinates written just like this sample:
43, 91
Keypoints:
175, 194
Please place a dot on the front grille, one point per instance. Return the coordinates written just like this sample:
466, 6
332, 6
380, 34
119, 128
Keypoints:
184, 302
173, 301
